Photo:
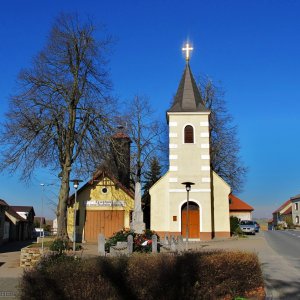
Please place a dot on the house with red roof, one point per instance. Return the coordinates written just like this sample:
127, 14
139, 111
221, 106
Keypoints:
282, 212
240, 209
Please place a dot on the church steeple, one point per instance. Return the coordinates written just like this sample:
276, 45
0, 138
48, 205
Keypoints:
188, 98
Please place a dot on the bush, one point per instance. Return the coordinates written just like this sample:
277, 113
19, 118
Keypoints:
289, 222
239, 232
193, 275
120, 236
234, 224
138, 239
281, 225
61, 245
235, 227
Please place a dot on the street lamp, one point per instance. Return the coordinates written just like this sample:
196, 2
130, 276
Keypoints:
75, 185
188, 186
41, 217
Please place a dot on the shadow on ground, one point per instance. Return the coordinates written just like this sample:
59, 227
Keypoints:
15, 246
286, 287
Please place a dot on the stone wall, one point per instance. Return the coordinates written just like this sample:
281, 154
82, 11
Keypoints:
29, 257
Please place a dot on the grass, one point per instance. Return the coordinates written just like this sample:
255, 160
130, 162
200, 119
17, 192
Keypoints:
47, 244
39, 245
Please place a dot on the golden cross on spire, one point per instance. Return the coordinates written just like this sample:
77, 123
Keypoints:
187, 50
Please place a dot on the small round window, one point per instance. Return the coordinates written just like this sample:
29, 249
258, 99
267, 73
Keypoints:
104, 190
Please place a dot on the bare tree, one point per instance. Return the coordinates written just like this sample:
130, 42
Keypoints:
146, 134
224, 144
151, 176
60, 116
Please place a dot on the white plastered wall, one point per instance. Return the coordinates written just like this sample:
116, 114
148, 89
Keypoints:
242, 215
160, 211
221, 204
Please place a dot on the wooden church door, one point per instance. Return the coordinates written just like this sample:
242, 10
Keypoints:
194, 220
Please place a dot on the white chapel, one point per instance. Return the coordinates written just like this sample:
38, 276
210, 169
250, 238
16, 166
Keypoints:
207, 214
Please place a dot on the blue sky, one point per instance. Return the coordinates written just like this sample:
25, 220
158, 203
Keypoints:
251, 47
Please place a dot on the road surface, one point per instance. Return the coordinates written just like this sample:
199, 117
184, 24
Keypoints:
279, 254
287, 244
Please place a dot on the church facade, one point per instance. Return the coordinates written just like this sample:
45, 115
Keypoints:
207, 209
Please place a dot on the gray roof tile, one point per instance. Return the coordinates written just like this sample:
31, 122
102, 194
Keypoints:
188, 98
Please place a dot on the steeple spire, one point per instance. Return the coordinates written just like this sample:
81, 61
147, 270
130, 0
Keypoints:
188, 98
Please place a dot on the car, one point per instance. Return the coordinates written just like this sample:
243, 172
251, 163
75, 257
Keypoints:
257, 226
247, 226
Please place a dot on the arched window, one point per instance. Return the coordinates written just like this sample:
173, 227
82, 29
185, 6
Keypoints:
297, 220
188, 134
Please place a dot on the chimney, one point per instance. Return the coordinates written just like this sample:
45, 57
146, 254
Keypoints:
120, 151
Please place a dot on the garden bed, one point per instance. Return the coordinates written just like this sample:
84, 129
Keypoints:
192, 275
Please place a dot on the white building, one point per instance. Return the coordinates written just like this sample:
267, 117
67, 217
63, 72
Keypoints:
189, 161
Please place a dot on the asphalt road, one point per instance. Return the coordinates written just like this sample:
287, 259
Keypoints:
287, 244
279, 255
283, 265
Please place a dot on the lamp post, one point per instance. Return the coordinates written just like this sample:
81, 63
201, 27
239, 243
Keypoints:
41, 217
188, 188
75, 185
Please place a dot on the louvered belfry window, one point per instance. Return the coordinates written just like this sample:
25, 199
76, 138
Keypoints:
188, 134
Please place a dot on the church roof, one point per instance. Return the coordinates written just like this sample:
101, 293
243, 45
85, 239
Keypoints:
188, 98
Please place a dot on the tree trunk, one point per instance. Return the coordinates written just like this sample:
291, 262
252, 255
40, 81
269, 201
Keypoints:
62, 205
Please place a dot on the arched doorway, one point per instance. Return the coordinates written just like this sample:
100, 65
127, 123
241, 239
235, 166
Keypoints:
193, 219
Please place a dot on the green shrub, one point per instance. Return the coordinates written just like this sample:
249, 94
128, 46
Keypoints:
120, 236
289, 222
239, 232
61, 245
138, 239
193, 275
234, 224
235, 227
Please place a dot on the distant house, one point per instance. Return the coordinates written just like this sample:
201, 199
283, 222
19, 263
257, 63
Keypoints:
21, 220
270, 224
39, 222
239, 208
54, 226
282, 212
4, 226
17, 225
296, 209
